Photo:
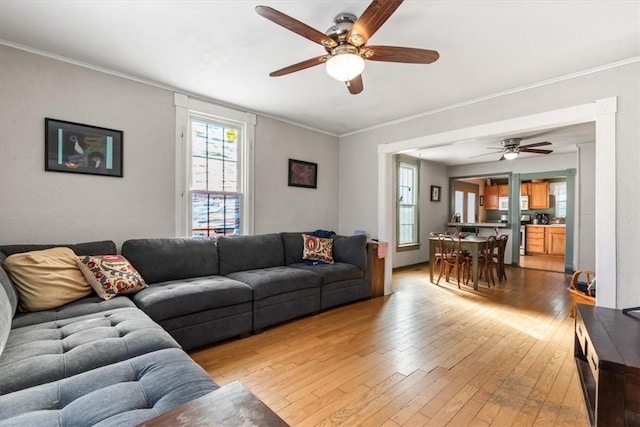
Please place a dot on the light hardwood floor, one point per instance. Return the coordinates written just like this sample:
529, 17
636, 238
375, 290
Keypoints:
542, 262
426, 355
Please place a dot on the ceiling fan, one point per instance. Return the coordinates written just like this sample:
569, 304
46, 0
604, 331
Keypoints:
511, 148
345, 43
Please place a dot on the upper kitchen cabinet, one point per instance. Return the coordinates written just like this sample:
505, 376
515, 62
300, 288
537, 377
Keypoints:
525, 189
491, 195
503, 190
539, 195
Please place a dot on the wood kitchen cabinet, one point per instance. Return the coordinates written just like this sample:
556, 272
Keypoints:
491, 194
556, 240
503, 190
539, 195
545, 240
525, 189
535, 240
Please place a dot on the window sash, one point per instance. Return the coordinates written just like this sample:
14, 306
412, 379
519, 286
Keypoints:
407, 213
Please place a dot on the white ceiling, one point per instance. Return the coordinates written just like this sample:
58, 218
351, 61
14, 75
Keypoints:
224, 51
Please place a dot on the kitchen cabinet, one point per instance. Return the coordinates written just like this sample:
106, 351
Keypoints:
535, 240
539, 195
545, 240
556, 240
491, 194
525, 189
503, 190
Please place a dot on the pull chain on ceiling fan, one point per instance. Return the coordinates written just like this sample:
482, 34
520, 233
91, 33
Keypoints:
345, 43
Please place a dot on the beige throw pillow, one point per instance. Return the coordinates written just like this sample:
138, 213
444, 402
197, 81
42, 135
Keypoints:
46, 279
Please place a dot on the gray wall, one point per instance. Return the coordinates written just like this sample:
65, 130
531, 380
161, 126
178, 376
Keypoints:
586, 207
361, 149
39, 206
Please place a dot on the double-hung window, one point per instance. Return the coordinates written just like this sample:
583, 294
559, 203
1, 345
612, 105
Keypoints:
407, 212
214, 146
215, 188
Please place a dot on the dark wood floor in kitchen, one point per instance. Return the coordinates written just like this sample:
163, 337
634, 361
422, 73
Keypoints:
426, 355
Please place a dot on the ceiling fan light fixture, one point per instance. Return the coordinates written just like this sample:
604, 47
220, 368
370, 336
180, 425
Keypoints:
345, 64
510, 154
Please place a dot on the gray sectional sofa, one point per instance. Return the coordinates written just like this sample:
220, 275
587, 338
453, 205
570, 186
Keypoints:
122, 361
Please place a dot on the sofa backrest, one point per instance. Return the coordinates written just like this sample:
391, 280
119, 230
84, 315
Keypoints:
293, 247
104, 247
161, 260
351, 250
241, 253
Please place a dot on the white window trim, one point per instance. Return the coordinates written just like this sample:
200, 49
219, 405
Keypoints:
416, 164
185, 108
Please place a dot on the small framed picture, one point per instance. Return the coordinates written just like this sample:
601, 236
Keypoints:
303, 174
481, 200
77, 148
435, 193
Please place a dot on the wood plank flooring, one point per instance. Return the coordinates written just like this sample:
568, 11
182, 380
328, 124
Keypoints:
425, 356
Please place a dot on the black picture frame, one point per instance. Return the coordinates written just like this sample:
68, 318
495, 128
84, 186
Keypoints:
303, 174
435, 193
83, 149
481, 200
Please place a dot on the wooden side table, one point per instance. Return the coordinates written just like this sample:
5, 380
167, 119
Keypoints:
231, 405
607, 355
377, 270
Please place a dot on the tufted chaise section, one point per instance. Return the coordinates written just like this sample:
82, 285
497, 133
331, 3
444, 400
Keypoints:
49, 351
122, 394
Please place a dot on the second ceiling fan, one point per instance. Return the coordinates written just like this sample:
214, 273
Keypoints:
345, 43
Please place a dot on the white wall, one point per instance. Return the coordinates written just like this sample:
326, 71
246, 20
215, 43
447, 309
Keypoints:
433, 215
51, 207
535, 164
279, 207
622, 82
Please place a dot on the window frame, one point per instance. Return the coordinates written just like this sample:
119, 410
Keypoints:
414, 163
186, 108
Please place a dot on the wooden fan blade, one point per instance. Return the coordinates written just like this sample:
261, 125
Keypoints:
400, 54
355, 86
300, 66
534, 150
535, 144
296, 26
501, 158
371, 20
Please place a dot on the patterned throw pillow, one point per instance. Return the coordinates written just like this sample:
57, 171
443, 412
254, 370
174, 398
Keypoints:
110, 275
317, 249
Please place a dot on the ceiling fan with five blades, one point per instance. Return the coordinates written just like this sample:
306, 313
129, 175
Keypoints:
345, 43
511, 148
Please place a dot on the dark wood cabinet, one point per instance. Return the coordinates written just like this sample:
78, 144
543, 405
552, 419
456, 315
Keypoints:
377, 270
607, 355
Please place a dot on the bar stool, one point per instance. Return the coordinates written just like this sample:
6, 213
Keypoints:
485, 260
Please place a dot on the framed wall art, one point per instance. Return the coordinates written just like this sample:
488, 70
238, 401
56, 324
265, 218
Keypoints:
303, 174
77, 148
435, 193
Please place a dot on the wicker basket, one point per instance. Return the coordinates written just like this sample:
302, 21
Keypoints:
578, 296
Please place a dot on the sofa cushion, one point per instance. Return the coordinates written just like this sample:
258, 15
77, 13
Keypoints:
241, 253
331, 273
49, 351
89, 248
162, 260
121, 394
317, 249
88, 305
47, 278
110, 275
267, 282
351, 250
293, 247
181, 297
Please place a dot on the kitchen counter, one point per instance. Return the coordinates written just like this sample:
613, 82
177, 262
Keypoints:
481, 224
546, 225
